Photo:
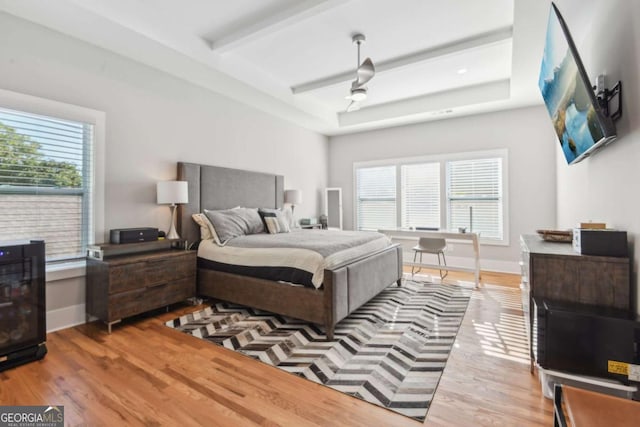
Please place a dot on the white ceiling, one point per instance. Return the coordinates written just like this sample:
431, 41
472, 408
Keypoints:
295, 58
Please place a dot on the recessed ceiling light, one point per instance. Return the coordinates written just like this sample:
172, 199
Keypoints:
462, 70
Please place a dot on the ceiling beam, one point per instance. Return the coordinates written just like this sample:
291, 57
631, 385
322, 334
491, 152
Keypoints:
484, 39
430, 105
273, 23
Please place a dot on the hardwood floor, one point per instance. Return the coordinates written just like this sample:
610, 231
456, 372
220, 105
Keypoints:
149, 374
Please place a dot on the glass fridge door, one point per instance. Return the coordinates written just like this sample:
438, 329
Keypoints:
21, 298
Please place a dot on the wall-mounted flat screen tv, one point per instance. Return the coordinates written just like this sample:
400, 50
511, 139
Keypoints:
579, 122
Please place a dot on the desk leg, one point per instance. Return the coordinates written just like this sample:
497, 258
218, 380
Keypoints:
476, 254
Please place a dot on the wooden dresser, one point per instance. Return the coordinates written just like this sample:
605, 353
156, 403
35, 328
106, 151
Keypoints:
555, 271
119, 286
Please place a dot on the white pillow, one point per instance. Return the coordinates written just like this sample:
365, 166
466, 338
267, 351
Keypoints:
206, 228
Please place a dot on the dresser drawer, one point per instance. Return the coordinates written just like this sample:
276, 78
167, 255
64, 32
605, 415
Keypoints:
158, 270
136, 301
128, 284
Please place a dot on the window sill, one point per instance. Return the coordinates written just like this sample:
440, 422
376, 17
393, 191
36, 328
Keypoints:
66, 270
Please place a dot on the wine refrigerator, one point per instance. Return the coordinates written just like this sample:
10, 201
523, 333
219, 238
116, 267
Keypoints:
22, 303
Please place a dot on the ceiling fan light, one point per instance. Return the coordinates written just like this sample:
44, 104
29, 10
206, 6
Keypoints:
358, 95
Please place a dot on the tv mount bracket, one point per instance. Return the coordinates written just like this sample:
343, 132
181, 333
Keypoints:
605, 96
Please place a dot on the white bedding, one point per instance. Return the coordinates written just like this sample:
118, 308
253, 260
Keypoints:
308, 260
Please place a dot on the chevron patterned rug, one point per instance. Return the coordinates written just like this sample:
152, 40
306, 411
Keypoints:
391, 352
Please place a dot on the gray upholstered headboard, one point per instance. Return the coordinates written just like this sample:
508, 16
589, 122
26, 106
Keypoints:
214, 187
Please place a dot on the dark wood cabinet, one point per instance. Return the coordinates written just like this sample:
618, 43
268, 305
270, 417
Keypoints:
555, 271
126, 285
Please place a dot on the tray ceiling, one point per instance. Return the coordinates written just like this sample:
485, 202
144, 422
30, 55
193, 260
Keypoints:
295, 59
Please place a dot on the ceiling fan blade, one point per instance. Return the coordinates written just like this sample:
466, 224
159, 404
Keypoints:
353, 106
365, 72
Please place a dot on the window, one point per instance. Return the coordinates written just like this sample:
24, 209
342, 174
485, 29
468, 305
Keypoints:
421, 195
439, 192
474, 196
46, 172
376, 197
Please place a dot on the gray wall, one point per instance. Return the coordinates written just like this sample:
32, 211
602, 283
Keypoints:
525, 133
153, 120
604, 187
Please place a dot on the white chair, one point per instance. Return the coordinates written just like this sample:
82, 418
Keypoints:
430, 245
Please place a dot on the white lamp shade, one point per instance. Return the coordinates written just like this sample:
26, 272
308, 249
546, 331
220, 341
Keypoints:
173, 192
293, 196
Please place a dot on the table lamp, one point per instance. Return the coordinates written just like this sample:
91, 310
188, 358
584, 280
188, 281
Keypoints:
173, 193
293, 197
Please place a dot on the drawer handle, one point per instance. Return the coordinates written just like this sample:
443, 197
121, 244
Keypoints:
157, 285
157, 261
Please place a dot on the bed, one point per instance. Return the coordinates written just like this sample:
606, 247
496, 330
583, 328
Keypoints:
345, 286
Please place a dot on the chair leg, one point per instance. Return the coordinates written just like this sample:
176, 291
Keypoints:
444, 261
415, 254
420, 268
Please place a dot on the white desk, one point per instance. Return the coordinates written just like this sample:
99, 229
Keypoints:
447, 235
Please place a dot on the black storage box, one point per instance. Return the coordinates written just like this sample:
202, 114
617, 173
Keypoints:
600, 242
133, 235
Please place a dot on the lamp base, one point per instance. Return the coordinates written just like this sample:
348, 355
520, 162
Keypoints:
173, 234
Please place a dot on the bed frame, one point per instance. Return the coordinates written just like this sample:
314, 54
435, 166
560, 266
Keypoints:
345, 287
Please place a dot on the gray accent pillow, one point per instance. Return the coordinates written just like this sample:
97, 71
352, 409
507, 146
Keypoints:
275, 220
235, 222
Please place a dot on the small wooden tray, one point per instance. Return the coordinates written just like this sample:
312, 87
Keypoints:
556, 235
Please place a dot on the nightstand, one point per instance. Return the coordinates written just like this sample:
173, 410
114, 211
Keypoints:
310, 226
152, 276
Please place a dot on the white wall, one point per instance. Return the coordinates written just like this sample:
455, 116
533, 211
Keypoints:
604, 186
525, 133
154, 120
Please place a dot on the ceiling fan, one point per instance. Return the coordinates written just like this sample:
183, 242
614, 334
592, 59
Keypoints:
364, 73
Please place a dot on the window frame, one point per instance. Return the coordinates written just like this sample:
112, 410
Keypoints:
444, 203
95, 181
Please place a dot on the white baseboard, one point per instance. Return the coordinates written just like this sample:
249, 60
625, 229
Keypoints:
65, 317
496, 265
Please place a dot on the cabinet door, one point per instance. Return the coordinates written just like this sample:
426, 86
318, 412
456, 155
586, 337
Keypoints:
605, 284
555, 277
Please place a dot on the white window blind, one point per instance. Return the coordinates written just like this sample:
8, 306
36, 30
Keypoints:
421, 195
474, 196
45, 182
376, 197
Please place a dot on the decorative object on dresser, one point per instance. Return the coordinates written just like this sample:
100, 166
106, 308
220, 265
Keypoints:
324, 221
308, 221
148, 276
605, 242
552, 270
22, 303
173, 193
133, 235
390, 352
311, 226
563, 236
